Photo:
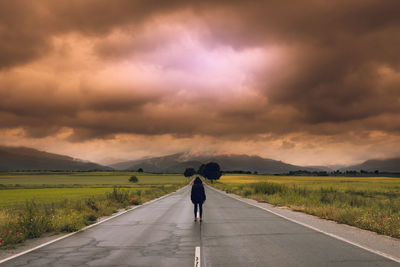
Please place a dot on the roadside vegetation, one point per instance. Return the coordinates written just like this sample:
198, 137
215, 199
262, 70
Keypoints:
32, 203
371, 203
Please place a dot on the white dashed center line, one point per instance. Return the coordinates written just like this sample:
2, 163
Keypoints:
197, 257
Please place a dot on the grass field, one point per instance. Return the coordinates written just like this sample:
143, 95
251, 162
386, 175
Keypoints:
32, 203
371, 203
18, 197
47, 187
84, 179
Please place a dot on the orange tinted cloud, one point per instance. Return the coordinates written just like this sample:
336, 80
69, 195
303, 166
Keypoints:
289, 79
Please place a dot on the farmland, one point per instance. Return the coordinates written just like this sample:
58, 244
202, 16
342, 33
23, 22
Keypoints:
371, 203
33, 203
84, 179
47, 187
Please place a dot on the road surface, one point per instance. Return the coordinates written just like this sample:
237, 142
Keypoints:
233, 233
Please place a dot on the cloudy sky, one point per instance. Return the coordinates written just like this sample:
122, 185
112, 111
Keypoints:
310, 83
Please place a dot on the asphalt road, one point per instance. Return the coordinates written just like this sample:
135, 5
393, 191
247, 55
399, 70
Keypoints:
233, 233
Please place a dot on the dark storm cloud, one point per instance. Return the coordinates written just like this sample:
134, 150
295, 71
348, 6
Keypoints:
27, 26
340, 73
94, 111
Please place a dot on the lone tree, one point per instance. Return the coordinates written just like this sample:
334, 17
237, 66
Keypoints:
211, 171
133, 179
189, 172
140, 170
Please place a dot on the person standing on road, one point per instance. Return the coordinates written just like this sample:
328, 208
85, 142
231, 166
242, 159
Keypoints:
198, 196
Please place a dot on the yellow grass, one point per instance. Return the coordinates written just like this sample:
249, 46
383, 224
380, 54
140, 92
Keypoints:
371, 203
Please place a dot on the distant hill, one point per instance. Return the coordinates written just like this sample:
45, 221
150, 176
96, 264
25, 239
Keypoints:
167, 164
23, 158
382, 165
124, 165
177, 163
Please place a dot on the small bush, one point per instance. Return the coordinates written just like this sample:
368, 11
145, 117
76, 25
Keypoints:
69, 221
119, 195
92, 217
133, 179
91, 204
139, 192
31, 221
247, 192
135, 201
11, 238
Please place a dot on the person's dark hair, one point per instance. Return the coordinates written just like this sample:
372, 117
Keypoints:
197, 181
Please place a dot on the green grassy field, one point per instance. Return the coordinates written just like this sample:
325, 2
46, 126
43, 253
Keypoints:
47, 187
18, 197
378, 185
32, 203
82, 179
371, 203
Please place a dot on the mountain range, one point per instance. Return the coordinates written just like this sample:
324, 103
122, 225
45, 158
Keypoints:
23, 158
177, 163
383, 165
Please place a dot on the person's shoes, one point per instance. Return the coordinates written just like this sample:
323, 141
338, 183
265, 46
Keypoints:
195, 219
201, 219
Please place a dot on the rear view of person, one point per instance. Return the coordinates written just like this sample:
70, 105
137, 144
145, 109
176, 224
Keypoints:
198, 196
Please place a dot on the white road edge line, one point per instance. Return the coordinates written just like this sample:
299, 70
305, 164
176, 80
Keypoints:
87, 227
393, 258
197, 261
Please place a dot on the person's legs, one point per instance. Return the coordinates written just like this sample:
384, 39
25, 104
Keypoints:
195, 210
201, 210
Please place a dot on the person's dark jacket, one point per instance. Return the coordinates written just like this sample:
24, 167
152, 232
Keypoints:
198, 195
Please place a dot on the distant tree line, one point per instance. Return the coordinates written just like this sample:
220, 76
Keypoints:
240, 172
349, 173
307, 173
